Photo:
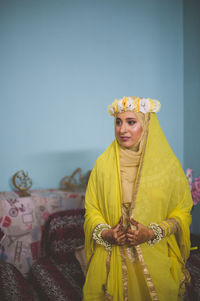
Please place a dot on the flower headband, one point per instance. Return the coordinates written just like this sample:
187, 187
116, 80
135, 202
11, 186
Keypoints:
137, 104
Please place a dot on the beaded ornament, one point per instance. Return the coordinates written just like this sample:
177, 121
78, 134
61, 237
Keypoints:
98, 238
157, 232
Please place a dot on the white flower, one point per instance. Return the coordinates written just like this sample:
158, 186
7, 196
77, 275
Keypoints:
111, 110
144, 105
130, 106
157, 106
120, 105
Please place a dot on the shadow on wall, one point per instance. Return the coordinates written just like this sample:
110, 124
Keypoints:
44, 168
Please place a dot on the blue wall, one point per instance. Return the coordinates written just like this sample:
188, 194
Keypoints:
192, 94
62, 63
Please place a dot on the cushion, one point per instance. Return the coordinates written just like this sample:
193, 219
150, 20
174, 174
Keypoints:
62, 233
13, 286
55, 281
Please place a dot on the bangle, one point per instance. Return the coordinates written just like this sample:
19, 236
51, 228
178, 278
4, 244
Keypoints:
157, 232
98, 238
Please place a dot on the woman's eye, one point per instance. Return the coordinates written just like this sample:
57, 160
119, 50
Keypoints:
118, 122
131, 122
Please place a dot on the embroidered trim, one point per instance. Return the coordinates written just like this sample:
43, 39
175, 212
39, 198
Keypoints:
147, 274
124, 273
157, 232
98, 238
165, 228
132, 254
169, 226
104, 287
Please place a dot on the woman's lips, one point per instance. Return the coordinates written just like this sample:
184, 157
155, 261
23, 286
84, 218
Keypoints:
124, 138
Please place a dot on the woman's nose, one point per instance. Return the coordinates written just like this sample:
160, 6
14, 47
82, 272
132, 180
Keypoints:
123, 128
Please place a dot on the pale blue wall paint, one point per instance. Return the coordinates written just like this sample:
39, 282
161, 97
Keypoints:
192, 94
62, 63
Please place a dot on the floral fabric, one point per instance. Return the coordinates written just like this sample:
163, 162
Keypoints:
22, 220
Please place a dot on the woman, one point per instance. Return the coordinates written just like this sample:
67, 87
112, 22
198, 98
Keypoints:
137, 218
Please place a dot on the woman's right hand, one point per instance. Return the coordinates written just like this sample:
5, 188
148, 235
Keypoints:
115, 235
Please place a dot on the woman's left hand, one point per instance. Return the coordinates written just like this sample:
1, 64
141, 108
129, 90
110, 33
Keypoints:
140, 235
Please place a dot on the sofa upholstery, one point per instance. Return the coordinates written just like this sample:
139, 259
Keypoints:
13, 286
57, 275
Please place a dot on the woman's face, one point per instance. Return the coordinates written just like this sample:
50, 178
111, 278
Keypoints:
128, 129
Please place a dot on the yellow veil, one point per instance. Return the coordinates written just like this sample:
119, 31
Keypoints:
162, 192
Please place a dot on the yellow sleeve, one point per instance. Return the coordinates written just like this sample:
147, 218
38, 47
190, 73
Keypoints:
169, 226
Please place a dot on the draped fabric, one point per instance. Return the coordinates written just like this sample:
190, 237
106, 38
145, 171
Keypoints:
161, 192
129, 159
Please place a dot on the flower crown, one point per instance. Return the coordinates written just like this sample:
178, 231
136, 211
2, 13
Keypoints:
137, 104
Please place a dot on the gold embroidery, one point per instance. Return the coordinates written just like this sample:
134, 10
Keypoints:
147, 275
109, 297
165, 227
173, 225
132, 254
125, 214
106, 295
104, 286
124, 274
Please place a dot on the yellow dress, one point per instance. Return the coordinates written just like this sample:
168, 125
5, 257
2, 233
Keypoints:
161, 193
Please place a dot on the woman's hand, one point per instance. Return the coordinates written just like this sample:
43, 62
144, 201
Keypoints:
115, 235
140, 235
